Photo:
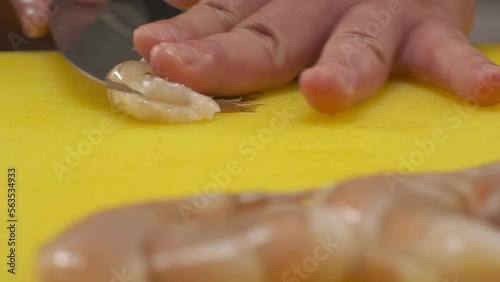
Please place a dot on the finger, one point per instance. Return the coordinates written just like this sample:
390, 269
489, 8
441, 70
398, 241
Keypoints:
182, 4
32, 16
266, 50
356, 60
207, 18
440, 53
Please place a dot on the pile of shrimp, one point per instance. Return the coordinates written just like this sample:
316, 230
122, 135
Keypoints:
425, 228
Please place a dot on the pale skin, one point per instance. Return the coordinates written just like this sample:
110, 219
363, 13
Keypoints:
343, 51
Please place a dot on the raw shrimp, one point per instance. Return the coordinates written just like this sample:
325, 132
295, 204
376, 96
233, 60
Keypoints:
153, 98
135, 90
427, 228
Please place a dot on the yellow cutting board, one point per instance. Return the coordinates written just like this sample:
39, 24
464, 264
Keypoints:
74, 155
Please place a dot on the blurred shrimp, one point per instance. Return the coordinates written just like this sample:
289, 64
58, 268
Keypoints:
431, 228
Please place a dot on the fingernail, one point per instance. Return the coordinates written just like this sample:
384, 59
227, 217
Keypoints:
160, 32
185, 53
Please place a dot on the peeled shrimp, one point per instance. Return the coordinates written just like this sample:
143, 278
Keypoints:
136, 91
425, 228
133, 89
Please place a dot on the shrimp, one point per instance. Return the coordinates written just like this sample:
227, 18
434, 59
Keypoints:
135, 90
151, 98
430, 227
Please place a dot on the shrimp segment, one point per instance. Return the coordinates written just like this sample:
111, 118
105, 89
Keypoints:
433, 227
136, 91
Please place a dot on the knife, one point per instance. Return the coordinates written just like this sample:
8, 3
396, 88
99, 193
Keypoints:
97, 37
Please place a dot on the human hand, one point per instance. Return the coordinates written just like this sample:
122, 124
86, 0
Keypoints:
343, 50
35, 15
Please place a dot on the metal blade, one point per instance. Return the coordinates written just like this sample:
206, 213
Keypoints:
96, 37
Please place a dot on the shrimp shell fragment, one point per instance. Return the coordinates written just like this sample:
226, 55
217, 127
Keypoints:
133, 89
429, 228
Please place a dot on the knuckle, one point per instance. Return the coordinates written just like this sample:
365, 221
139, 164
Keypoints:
270, 40
226, 13
443, 36
367, 41
444, 42
218, 54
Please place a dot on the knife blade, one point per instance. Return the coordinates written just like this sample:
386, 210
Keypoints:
94, 38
